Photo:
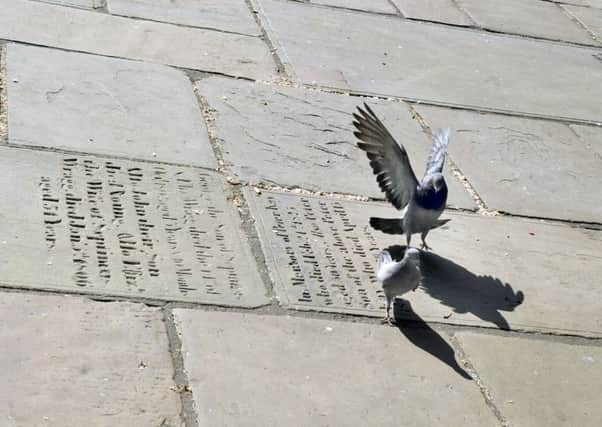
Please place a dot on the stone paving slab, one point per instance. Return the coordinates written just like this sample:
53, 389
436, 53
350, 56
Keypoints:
531, 18
122, 228
391, 56
99, 33
70, 361
538, 383
103, 105
590, 17
321, 255
378, 6
276, 370
226, 15
303, 138
433, 10
524, 166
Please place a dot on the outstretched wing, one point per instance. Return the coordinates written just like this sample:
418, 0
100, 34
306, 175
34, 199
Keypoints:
389, 160
436, 158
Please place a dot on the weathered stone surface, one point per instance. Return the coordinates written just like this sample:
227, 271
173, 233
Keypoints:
318, 372
391, 56
75, 29
86, 4
112, 227
379, 6
295, 137
226, 15
70, 361
90, 103
525, 166
532, 18
433, 10
321, 254
590, 17
539, 382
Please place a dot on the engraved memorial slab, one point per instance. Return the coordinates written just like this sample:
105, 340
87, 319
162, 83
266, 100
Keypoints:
123, 228
488, 271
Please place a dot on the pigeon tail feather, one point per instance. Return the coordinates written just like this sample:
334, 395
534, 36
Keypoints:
387, 225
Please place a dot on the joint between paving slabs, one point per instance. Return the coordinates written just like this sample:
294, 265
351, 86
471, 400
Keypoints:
280, 68
3, 95
468, 366
247, 221
182, 384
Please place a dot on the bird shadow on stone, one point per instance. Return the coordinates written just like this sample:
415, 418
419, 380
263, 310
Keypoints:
463, 291
419, 333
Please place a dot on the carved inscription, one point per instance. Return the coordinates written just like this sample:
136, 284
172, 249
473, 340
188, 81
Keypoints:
324, 257
141, 226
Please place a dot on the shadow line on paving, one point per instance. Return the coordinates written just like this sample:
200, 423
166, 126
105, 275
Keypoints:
462, 290
419, 333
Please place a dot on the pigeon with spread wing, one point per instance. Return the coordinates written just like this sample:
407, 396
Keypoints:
421, 202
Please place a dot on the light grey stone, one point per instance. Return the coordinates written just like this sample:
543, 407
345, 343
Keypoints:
321, 254
590, 17
102, 105
539, 382
71, 361
226, 15
379, 6
277, 370
391, 56
526, 166
433, 10
85, 4
302, 138
111, 227
99, 33
527, 17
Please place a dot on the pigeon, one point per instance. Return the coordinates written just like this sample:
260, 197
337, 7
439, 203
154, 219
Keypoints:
397, 277
421, 202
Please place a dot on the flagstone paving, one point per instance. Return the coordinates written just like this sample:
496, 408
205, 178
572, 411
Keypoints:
188, 169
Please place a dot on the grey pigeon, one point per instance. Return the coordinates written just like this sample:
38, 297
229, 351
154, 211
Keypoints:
397, 277
421, 202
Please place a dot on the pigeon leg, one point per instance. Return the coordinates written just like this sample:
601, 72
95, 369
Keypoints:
387, 318
408, 239
424, 245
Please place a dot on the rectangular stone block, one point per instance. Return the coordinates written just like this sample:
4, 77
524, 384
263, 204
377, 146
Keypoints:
278, 370
120, 228
485, 271
225, 15
433, 10
378, 6
536, 382
531, 18
71, 361
302, 138
415, 60
526, 166
95, 104
99, 33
